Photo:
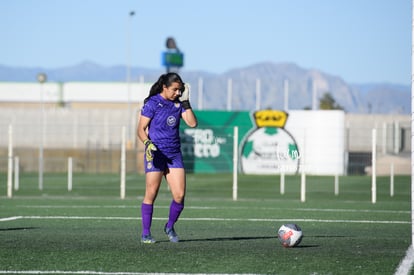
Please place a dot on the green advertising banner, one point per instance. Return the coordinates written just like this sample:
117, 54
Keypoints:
269, 142
209, 147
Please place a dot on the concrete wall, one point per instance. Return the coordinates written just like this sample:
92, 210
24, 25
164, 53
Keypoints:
393, 133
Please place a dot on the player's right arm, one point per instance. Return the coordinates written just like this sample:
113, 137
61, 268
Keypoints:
142, 128
143, 136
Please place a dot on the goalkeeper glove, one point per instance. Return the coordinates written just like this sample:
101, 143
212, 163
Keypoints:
149, 147
185, 97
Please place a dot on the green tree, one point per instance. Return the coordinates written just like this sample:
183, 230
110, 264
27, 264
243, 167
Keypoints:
327, 102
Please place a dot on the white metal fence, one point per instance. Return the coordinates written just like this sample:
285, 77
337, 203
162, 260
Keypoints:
93, 139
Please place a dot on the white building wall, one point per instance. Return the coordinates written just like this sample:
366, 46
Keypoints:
119, 92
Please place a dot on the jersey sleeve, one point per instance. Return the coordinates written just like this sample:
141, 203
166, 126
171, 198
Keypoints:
148, 110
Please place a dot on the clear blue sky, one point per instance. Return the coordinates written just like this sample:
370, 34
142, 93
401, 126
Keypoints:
361, 41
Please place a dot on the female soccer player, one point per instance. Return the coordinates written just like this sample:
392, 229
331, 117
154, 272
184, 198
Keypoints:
158, 128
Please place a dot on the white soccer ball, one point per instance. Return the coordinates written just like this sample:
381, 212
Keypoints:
290, 235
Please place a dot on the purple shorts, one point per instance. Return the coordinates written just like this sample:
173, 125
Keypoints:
162, 163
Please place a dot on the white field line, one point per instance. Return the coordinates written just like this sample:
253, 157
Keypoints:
103, 273
218, 208
202, 219
406, 264
10, 219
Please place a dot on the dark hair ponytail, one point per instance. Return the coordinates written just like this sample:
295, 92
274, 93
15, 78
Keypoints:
165, 79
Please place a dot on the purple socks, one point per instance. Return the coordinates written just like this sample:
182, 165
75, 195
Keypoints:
175, 211
146, 214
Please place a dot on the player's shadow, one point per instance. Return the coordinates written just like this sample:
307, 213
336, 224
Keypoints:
17, 228
220, 239
328, 236
299, 246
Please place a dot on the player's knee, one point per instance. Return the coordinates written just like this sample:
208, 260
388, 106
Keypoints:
179, 198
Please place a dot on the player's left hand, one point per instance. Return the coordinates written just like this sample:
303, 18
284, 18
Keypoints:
185, 97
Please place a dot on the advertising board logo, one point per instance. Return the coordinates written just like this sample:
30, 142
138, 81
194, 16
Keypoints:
269, 148
202, 143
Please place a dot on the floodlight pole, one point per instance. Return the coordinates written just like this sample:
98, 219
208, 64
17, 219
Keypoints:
229, 93
200, 93
131, 14
258, 94
286, 99
314, 96
412, 125
41, 78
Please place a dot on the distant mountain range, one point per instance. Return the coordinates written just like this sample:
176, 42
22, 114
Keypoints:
378, 98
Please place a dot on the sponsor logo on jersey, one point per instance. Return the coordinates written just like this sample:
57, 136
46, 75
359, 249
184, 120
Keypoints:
171, 121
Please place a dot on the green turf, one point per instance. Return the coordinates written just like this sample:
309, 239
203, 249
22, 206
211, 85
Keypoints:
92, 229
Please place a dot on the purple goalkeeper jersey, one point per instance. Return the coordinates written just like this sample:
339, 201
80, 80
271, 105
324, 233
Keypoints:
163, 129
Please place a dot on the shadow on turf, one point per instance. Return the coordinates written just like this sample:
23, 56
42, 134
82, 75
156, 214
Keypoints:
325, 236
247, 238
305, 246
17, 228
223, 239
227, 239
220, 239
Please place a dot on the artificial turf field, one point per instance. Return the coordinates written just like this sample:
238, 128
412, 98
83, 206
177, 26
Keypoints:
90, 230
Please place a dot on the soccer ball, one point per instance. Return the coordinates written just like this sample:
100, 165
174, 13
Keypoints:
290, 235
